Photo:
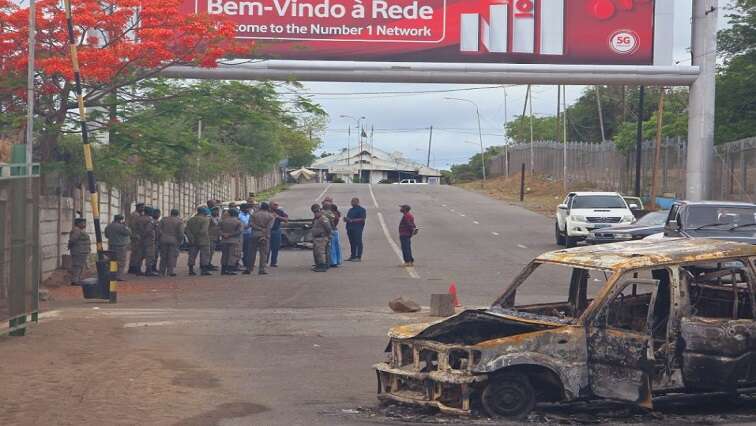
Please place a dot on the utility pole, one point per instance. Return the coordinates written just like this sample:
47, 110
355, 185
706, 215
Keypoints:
532, 149
564, 142
657, 151
639, 142
506, 135
559, 112
600, 114
430, 144
702, 106
30, 90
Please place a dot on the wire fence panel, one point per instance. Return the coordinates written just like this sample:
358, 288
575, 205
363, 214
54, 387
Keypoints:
607, 168
19, 251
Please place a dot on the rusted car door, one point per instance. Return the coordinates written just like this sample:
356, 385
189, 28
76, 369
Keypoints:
719, 331
620, 352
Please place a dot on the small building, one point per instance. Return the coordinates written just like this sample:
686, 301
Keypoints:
374, 166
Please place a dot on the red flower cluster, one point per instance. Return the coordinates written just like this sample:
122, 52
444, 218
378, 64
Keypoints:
117, 39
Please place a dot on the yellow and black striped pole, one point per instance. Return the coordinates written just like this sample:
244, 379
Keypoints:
113, 281
88, 158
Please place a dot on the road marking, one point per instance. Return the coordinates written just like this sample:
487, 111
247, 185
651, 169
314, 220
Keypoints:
410, 269
462, 214
319, 197
496, 234
522, 246
372, 194
476, 222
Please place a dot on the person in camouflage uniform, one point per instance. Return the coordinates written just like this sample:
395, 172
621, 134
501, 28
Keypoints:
171, 231
146, 234
197, 232
261, 222
321, 231
80, 246
328, 213
156, 223
131, 223
231, 238
119, 238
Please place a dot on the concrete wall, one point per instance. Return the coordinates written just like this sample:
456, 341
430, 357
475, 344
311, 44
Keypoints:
57, 213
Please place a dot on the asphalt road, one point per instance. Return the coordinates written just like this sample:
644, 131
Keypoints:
291, 348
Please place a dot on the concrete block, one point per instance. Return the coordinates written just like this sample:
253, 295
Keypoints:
442, 305
49, 227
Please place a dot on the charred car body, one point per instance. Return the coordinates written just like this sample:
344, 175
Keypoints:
621, 321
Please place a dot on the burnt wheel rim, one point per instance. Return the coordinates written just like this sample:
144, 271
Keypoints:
508, 399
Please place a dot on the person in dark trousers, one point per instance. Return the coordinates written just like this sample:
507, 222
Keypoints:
261, 221
156, 223
119, 238
171, 233
197, 234
275, 232
131, 222
407, 230
231, 230
80, 246
355, 225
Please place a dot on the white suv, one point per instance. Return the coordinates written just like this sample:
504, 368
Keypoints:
583, 212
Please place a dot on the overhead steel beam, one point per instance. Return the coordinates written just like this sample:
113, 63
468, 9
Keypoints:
394, 72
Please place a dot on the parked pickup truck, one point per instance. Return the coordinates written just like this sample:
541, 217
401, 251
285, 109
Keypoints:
723, 220
583, 212
624, 321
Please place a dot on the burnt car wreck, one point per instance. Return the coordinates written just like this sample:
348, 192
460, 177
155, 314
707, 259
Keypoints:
624, 322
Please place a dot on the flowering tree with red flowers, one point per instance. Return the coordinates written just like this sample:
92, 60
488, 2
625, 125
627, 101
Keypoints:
120, 42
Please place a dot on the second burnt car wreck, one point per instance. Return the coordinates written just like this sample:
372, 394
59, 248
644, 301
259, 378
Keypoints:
623, 321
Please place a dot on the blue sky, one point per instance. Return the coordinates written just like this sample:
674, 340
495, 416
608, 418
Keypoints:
403, 120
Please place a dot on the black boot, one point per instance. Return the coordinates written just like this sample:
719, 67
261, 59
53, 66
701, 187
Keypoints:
206, 271
226, 270
191, 271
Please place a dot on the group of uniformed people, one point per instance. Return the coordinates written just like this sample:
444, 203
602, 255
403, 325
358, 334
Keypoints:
242, 234
149, 237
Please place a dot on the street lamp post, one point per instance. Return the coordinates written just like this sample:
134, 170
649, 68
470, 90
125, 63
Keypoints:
480, 136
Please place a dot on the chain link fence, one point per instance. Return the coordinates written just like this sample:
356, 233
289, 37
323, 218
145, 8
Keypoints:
607, 168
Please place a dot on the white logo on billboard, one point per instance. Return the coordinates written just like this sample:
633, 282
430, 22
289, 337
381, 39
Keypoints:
624, 42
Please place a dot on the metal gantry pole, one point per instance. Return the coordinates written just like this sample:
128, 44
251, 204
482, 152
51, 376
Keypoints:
430, 144
532, 149
87, 147
564, 129
700, 156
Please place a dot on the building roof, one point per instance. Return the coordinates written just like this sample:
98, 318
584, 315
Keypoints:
646, 253
371, 158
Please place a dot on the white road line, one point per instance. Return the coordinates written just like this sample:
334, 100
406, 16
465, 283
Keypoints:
462, 214
320, 197
496, 234
522, 246
410, 269
476, 222
372, 194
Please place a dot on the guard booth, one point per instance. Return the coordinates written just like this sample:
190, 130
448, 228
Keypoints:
19, 247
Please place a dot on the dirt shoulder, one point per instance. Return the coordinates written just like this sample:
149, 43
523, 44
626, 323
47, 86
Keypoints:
542, 194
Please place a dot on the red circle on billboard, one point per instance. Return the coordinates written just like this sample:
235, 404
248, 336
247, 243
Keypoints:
624, 42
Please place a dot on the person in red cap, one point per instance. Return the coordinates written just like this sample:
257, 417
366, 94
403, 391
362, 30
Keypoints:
407, 230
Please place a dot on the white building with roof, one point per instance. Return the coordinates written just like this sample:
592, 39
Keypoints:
374, 165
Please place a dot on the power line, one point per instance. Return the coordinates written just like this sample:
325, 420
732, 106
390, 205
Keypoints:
394, 92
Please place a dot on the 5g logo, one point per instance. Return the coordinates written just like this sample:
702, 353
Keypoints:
624, 42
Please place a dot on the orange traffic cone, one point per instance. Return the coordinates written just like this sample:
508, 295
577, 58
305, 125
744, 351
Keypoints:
453, 293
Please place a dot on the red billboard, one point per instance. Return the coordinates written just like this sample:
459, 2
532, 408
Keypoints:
602, 32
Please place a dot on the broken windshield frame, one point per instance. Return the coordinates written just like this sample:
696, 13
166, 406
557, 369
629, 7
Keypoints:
561, 292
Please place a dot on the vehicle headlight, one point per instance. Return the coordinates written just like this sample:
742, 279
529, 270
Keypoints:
578, 218
628, 219
623, 236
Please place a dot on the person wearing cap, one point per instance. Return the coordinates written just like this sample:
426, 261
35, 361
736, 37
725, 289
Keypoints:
355, 225
119, 238
156, 224
275, 232
80, 246
197, 234
261, 222
327, 211
146, 234
407, 230
321, 232
171, 231
245, 217
131, 223
231, 230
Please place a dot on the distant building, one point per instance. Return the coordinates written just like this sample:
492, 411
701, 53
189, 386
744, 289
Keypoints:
374, 166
